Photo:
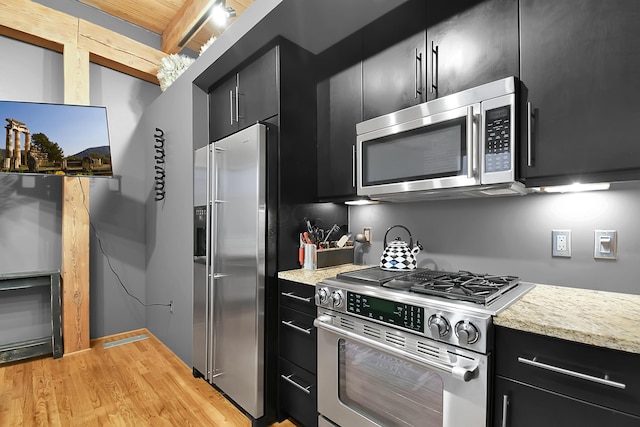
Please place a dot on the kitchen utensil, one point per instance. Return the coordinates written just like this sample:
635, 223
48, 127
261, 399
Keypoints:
335, 227
398, 255
343, 240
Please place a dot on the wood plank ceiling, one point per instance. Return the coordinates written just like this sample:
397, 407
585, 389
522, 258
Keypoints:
181, 23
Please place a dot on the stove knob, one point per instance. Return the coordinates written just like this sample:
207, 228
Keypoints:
322, 296
439, 326
466, 332
336, 297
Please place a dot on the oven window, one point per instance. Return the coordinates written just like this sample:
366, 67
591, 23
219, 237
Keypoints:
388, 390
428, 152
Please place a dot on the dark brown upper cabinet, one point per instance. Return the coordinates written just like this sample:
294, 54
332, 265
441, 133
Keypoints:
394, 66
244, 98
580, 63
470, 43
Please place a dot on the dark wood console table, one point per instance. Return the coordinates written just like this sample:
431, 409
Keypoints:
39, 346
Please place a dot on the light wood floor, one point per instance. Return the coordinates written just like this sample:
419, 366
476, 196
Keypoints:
141, 383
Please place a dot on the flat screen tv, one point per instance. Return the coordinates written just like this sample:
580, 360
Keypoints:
55, 139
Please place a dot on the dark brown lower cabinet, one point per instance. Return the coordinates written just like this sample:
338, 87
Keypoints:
297, 362
522, 405
544, 381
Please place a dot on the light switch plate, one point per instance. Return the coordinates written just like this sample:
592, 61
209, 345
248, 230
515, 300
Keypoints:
605, 244
561, 243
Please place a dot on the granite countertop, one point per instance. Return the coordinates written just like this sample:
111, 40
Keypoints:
604, 319
311, 277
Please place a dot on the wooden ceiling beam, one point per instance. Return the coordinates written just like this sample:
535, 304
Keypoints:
33, 23
121, 53
184, 26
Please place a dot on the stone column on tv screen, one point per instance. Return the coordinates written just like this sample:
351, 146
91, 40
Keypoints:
27, 146
14, 155
17, 152
8, 155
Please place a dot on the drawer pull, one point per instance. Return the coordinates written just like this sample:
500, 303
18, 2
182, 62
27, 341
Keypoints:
296, 297
604, 381
288, 379
290, 324
505, 410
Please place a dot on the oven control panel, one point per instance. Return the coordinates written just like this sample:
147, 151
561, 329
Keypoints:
409, 312
402, 315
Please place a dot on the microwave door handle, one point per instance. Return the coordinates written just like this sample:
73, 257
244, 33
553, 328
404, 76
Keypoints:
470, 142
529, 134
353, 165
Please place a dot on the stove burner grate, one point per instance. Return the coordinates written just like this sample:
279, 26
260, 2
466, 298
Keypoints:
465, 286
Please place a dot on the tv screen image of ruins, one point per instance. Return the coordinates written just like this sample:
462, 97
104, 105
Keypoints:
57, 139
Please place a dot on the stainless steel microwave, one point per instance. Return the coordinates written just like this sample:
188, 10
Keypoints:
459, 145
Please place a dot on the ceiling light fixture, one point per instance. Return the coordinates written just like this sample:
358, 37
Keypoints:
575, 187
220, 13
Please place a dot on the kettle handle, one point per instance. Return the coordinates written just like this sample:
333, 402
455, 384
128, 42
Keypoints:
394, 226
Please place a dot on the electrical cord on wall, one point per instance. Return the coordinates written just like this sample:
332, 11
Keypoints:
95, 232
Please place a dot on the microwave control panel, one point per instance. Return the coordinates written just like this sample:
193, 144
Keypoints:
498, 139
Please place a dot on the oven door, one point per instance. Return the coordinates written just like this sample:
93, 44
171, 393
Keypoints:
430, 153
372, 375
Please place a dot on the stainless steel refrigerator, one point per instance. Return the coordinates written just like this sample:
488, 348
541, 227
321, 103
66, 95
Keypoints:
229, 266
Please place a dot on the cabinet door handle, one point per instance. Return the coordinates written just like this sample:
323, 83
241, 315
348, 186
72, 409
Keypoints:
418, 88
605, 381
505, 410
237, 105
231, 106
529, 134
294, 296
288, 379
434, 69
290, 324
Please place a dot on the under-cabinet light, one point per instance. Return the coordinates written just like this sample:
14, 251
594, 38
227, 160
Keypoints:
360, 202
575, 187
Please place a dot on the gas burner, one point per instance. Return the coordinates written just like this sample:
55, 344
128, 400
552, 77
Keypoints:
463, 285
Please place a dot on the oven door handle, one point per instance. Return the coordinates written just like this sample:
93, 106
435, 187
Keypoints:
458, 372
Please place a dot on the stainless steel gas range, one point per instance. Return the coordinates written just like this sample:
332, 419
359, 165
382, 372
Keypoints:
408, 348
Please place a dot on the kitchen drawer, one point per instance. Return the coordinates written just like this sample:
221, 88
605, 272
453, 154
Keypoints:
298, 296
298, 338
552, 364
529, 406
298, 396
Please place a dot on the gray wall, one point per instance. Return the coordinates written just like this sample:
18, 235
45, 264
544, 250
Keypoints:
512, 235
30, 207
118, 206
169, 250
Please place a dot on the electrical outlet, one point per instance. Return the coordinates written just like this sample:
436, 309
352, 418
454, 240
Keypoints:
561, 243
367, 234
